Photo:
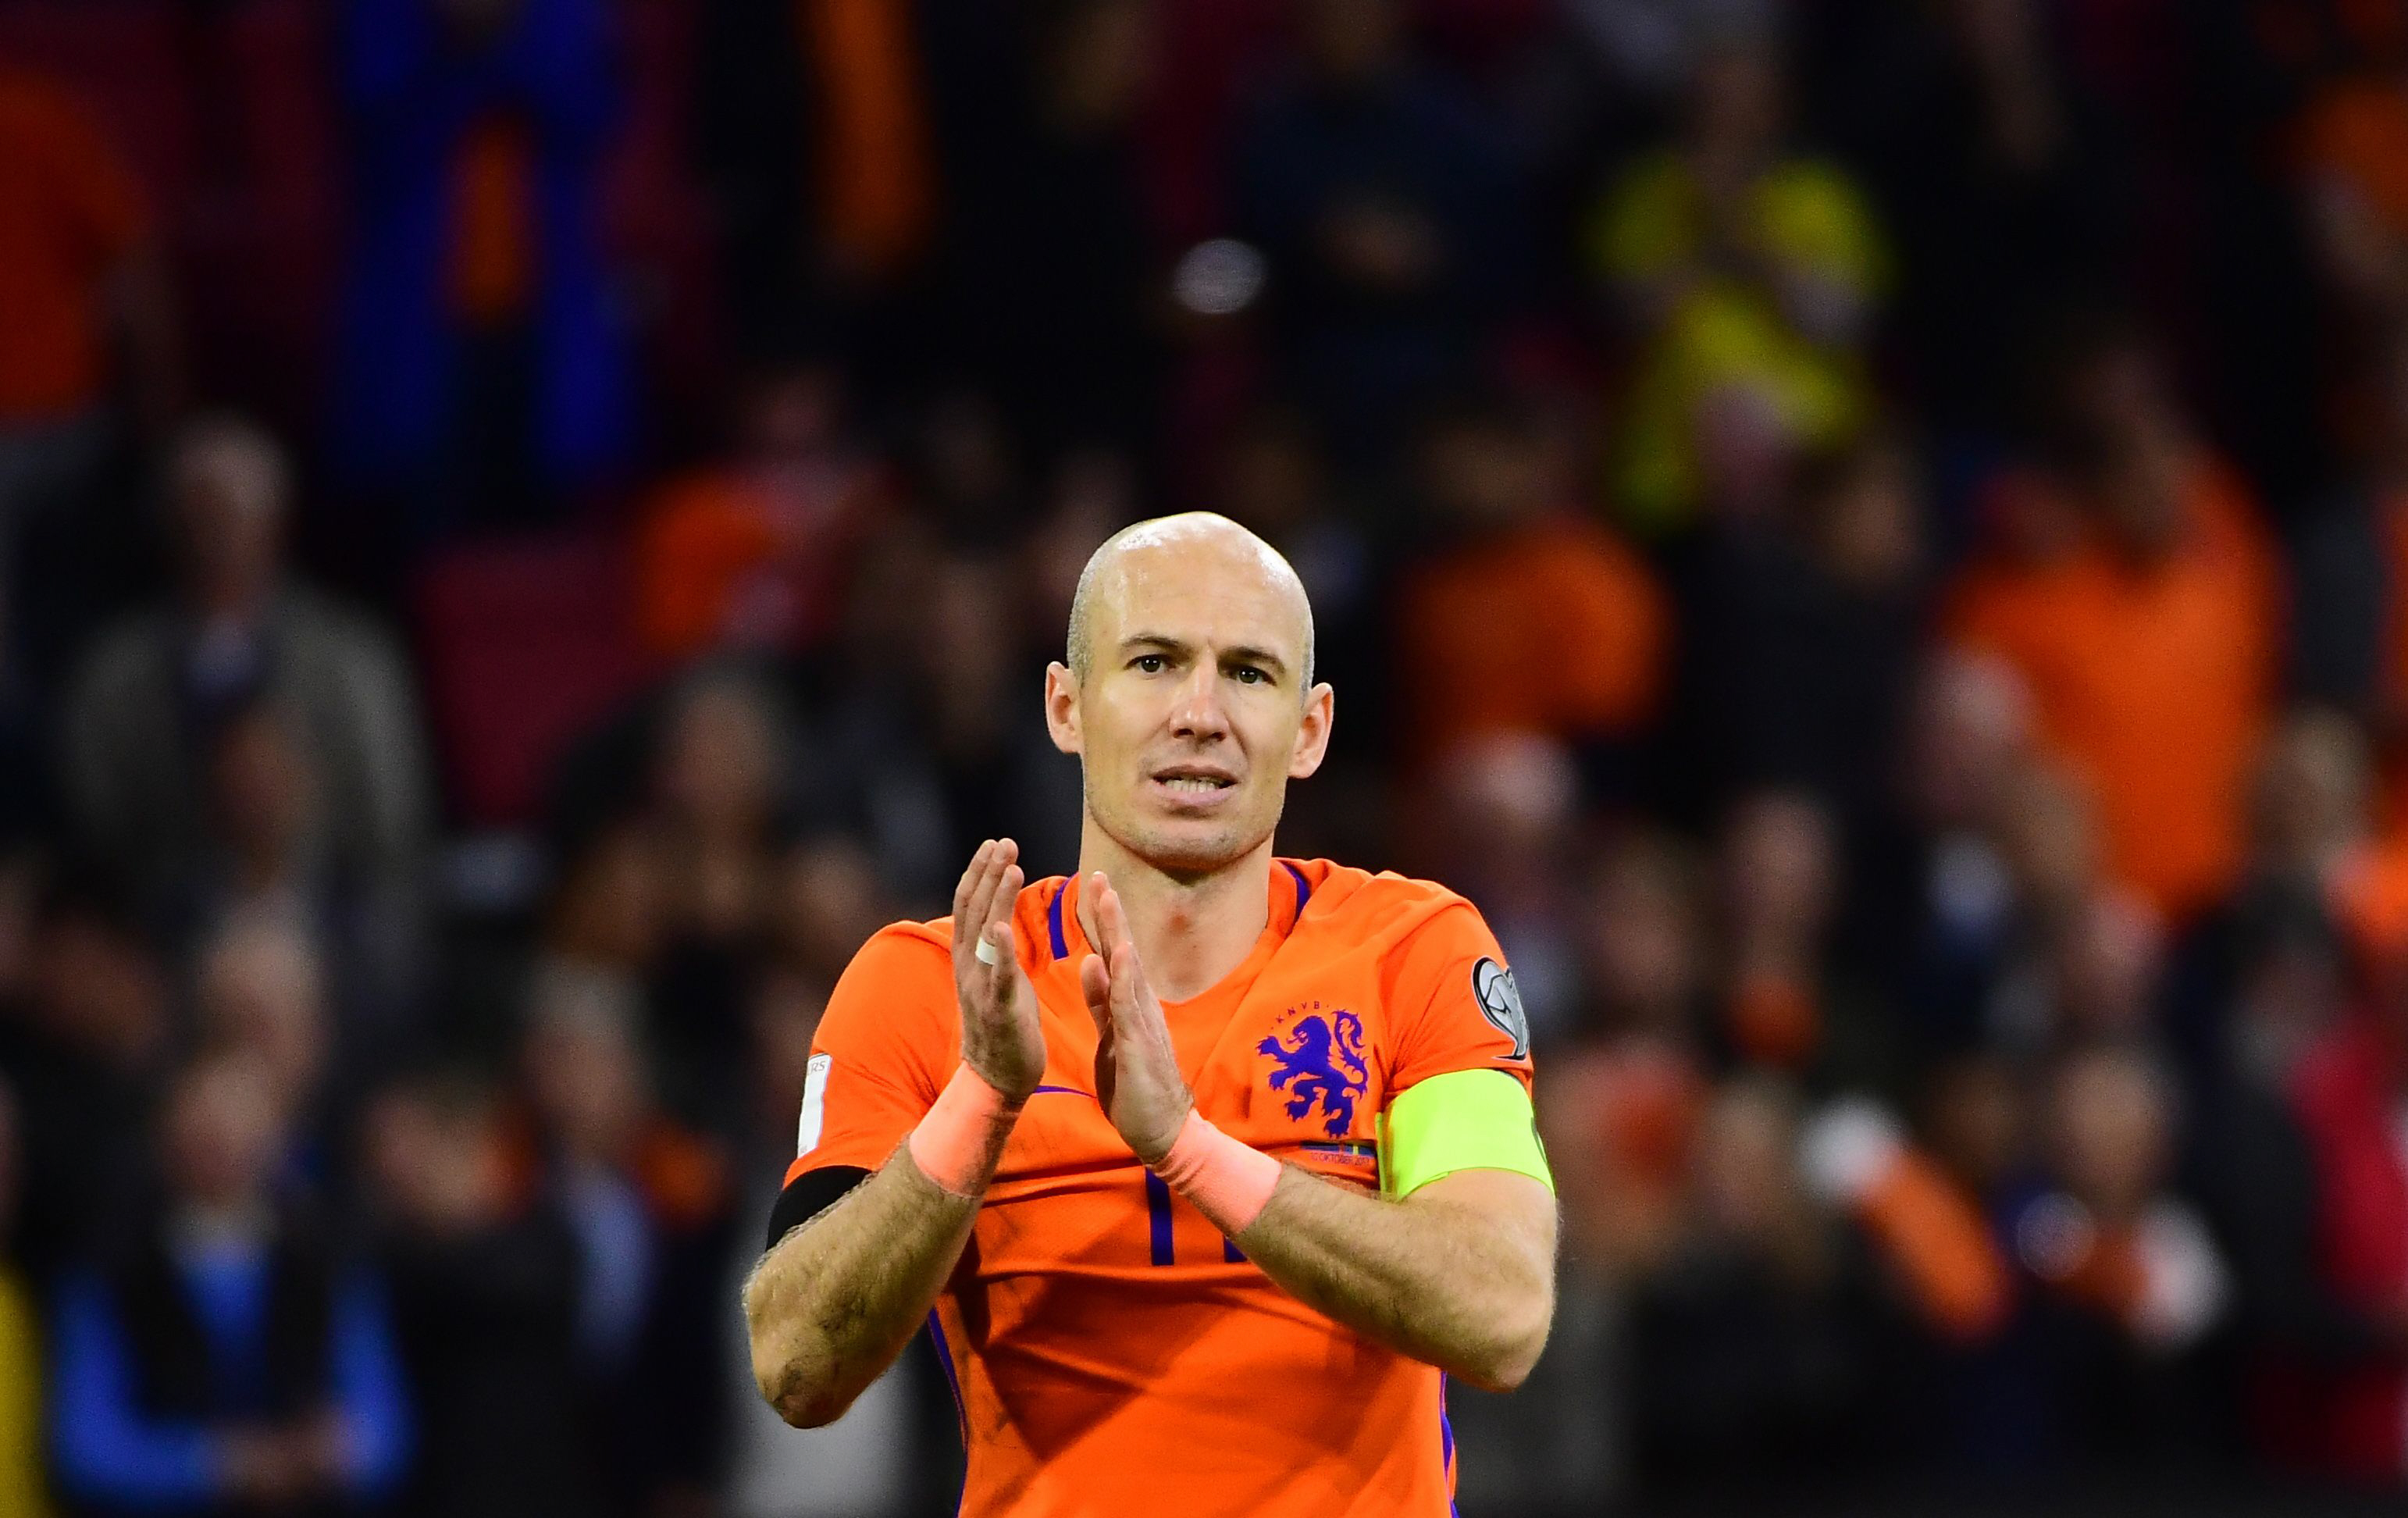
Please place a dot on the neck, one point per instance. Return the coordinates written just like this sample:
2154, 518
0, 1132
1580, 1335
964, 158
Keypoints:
1189, 931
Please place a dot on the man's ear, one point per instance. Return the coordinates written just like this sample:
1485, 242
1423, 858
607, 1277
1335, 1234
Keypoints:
1313, 735
1062, 707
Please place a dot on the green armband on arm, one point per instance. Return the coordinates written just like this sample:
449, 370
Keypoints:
1464, 1120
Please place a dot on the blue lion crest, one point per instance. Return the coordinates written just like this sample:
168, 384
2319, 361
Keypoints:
1321, 1061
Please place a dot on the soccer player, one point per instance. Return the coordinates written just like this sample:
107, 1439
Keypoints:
1212, 1164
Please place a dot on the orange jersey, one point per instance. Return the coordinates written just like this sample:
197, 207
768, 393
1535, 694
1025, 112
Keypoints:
1110, 1351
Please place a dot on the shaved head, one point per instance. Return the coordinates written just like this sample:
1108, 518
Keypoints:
1187, 694
1196, 541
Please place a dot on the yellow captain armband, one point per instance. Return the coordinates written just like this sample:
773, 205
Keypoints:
1464, 1120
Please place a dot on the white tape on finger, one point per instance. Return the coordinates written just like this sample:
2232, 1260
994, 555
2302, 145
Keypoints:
987, 950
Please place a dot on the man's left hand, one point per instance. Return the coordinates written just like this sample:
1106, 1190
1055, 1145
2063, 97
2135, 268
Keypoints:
1137, 1070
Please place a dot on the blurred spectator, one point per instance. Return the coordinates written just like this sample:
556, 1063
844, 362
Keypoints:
2083, 960
256, 740
1620, 1103
1054, 295
1389, 217
84, 1044
649, 1204
1500, 823
1523, 617
2130, 1281
1921, 1218
228, 1355
81, 270
2261, 973
1270, 474
23, 1488
2000, 178
813, 133
749, 554
720, 779
481, 368
2349, 643
1796, 633
832, 901
2352, 139
1749, 276
1785, 1004
2152, 635
865, 1463
1655, 47
2330, 1395
967, 470
260, 988
1759, 1344
1940, 870
484, 1285
604, 918
933, 735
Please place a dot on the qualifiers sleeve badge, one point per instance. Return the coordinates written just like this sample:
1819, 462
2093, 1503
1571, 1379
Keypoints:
1500, 1002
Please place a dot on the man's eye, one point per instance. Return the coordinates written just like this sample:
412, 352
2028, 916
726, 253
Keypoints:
1148, 664
1249, 675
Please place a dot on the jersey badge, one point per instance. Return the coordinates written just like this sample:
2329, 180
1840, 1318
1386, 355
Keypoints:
1500, 1002
1317, 1060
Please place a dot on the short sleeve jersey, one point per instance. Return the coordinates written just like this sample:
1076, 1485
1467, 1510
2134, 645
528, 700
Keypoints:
1111, 1351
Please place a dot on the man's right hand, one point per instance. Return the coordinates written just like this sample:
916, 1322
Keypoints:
1002, 1037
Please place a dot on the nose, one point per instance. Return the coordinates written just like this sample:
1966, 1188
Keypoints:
1198, 715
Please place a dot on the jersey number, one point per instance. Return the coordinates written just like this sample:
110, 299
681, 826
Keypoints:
1157, 1225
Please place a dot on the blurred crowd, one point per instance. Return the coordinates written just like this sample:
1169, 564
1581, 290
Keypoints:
1871, 539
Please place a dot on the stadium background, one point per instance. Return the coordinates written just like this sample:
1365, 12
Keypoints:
1871, 539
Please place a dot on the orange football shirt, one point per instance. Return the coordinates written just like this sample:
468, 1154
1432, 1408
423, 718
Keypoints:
1111, 1351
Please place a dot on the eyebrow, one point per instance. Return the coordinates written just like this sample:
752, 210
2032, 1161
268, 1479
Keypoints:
1239, 654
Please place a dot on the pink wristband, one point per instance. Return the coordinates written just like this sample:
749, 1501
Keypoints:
1228, 1181
957, 1139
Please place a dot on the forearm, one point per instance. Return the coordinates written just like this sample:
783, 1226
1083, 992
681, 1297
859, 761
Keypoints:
833, 1304
1431, 1276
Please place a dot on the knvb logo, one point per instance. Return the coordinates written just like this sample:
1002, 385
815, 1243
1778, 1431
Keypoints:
1318, 1061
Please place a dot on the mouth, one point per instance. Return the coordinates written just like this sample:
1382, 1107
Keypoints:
1193, 784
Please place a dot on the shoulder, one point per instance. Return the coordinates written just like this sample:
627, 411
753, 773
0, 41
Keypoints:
1382, 908
893, 1005
906, 951
926, 949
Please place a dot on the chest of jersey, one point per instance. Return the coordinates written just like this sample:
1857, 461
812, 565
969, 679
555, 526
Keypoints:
1292, 1059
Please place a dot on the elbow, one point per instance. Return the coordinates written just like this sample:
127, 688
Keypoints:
798, 1384
1505, 1357
804, 1400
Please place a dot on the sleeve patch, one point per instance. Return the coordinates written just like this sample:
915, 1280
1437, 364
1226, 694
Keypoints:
1500, 1002
807, 1137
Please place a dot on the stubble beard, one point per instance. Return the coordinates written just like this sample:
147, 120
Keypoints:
1185, 856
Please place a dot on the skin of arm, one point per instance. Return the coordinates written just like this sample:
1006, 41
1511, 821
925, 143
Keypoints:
831, 1305
836, 1302
1459, 1274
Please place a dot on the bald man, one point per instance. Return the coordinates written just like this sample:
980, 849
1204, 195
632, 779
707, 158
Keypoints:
1205, 1166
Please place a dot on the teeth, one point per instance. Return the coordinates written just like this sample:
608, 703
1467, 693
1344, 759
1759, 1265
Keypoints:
1192, 782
